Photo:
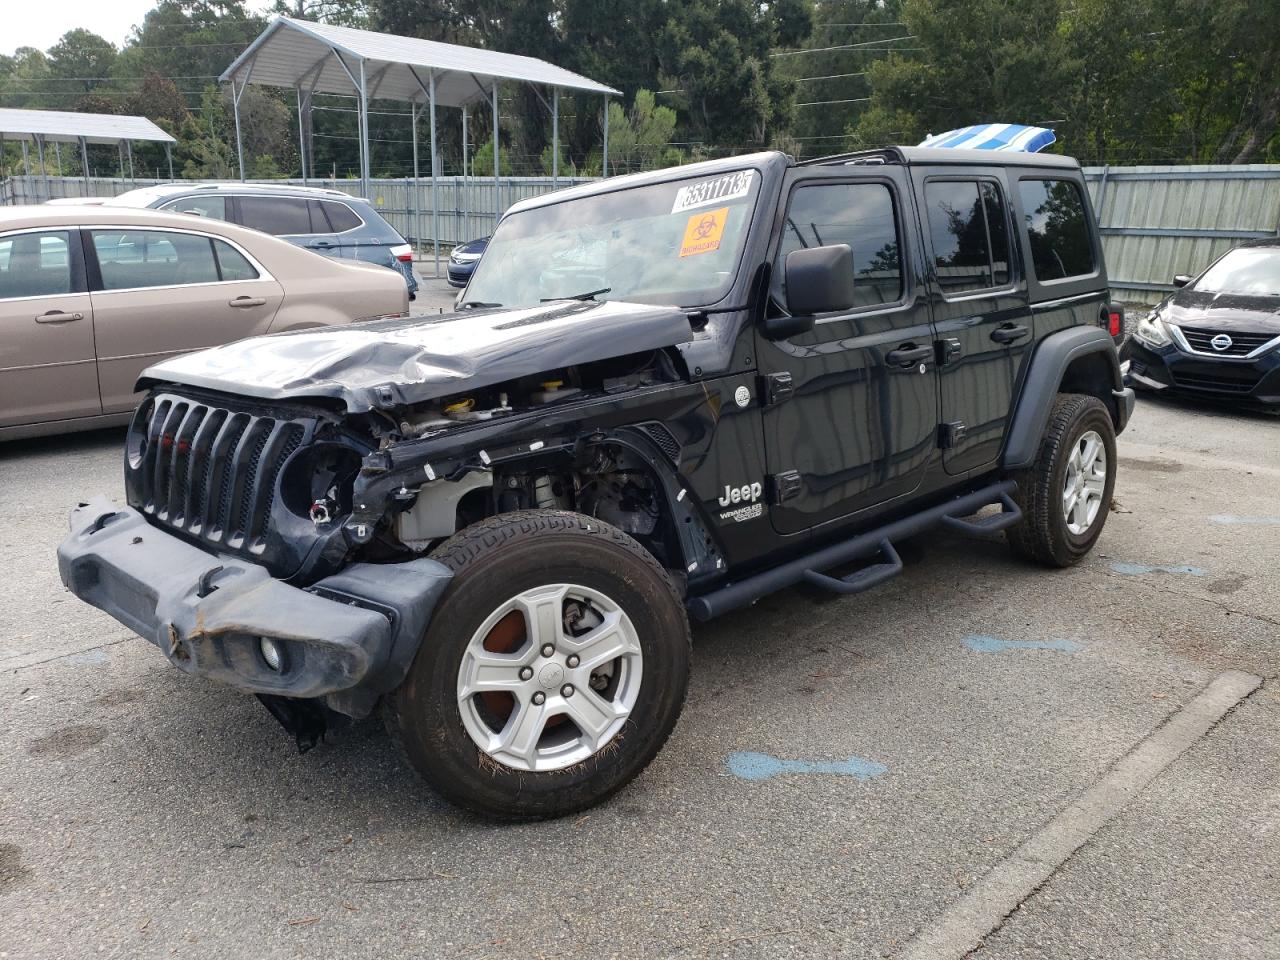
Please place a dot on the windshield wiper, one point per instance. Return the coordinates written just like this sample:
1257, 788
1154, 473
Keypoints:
589, 295
478, 304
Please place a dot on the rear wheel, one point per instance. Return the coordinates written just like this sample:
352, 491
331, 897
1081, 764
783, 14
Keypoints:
1065, 495
554, 668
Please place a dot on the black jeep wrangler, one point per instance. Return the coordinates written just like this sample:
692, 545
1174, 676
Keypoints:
662, 394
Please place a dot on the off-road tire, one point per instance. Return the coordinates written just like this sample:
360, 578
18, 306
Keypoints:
1042, 534
493, 561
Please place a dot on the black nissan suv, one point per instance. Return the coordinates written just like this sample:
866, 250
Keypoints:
664, 395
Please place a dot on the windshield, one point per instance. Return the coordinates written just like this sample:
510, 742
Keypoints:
667, 243
1250, 271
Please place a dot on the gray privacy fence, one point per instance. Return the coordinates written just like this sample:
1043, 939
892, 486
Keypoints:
468, 206
1155, 221
1159, 221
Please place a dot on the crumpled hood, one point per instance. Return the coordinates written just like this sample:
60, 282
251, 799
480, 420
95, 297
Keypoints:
390, 363
1223, 311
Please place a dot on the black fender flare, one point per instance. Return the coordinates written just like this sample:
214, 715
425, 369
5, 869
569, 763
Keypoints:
1049, 365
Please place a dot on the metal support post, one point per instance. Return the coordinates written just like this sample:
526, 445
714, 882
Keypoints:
555, 136
435, 178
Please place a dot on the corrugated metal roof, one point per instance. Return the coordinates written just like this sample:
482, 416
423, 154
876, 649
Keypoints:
69, 127
299, 53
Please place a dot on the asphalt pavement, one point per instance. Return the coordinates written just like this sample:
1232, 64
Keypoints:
980, 757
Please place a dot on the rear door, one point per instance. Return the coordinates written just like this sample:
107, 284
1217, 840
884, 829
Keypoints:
157, 293
979, 309
356, 238
850, 408
48, 369
291, 218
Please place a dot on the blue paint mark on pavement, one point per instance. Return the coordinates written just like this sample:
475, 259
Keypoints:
88, 657
981, 643
1137, 569
760, 766
1226, 518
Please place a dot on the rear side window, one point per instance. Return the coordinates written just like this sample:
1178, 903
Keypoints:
859, 214
341, 217
35, 265
205, 206
132, 259
969, 233
232, 263
278, 216
1061, 245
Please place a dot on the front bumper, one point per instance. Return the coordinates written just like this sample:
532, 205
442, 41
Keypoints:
346, 639
1168, 369
459, 274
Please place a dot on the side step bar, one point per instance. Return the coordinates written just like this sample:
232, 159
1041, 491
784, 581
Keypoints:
807, 568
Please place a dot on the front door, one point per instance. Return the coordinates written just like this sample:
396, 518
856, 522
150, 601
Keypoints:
48, 370
980, 311
859, 423
157, 293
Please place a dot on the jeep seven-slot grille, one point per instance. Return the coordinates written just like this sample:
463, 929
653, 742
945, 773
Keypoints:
212, 472
1242, 344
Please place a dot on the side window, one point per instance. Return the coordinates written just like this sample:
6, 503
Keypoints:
341, 217
205, 206
278, 216
1061, 245
232, 263
131, 259
859, 214
998, 228
969, 233
35, 265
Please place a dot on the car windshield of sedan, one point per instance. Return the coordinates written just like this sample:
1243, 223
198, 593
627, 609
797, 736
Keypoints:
1246, 271
676, 242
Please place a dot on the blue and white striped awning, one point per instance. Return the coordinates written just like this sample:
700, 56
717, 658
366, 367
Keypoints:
993, 136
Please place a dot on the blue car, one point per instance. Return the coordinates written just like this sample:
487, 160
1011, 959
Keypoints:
329, 222
463, 260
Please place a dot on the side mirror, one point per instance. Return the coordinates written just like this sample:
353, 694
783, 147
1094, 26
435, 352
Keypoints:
1181, 280
819, 280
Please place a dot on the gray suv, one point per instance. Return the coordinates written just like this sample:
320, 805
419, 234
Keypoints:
329, 222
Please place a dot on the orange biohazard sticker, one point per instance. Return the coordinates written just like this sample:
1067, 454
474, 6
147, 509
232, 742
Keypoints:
703, 232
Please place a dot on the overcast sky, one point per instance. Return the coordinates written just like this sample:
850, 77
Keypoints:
31, 23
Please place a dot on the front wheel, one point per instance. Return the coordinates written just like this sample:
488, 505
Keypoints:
553, 670
1065, 495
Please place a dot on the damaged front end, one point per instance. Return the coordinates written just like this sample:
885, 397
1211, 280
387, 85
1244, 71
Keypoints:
281, 512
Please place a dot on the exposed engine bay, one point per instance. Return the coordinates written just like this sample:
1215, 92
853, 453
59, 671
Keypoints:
609, 485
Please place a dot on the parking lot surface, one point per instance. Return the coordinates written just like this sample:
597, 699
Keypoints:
980, 757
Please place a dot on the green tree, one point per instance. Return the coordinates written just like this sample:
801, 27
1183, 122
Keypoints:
82, 60
26, 81
980, 61
716, 55
205, 150
640, 138
847, 37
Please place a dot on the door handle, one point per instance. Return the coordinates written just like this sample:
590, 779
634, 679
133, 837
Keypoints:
321, 245
908, 355
58, 316
247, 302
1009, 333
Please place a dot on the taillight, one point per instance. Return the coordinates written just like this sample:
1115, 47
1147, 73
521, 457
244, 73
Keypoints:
403, 252
1112, 317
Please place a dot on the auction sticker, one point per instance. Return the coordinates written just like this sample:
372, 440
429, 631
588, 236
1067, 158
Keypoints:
703, 232
729, 187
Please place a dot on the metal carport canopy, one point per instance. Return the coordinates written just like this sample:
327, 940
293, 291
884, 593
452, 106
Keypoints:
320, 58
297, 53
60, 126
